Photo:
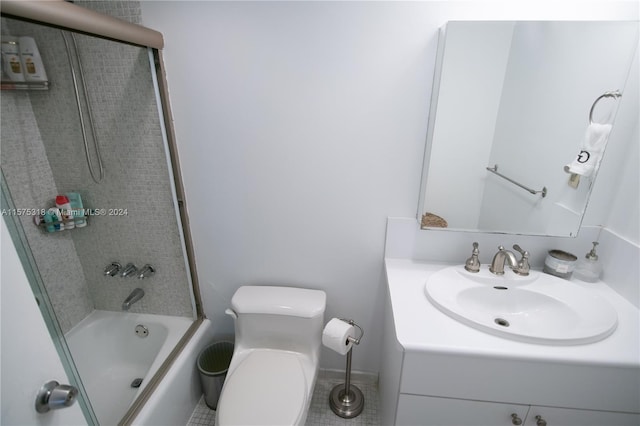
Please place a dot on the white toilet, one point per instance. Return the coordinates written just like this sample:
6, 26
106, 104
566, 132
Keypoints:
275, 360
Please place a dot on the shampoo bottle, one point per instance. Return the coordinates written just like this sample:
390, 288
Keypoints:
77, 209
56, 216
589, 268
33, 69
11, 64
62, 203
48, 218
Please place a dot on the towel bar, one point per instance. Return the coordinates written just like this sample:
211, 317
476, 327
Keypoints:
494, 170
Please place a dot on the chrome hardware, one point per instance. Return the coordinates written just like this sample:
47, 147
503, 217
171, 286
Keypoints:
540, 421
615, 94
356, 341
523, 267
53, 395
146, 271
112, 269
347, 400
133, 298
128, 270
473, 264
141, 331
515, 420
497, 264
494, 170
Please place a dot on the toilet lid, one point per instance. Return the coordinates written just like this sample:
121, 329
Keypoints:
267, 388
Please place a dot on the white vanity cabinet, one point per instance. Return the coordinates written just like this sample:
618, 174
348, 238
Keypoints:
438, 371
424, 410
434, 411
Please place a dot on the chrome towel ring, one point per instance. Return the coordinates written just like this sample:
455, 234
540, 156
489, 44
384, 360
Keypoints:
614, 94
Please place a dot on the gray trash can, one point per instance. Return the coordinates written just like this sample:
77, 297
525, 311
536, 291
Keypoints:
213, 363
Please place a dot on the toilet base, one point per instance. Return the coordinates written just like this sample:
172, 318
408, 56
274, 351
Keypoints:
346, 405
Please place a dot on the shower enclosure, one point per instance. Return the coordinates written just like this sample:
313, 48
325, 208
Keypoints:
97, 129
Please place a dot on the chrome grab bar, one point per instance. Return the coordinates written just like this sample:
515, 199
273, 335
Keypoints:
494, 170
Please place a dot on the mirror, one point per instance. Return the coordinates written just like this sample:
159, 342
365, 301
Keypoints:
510, 111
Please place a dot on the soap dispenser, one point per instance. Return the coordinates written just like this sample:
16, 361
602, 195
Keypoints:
589, 268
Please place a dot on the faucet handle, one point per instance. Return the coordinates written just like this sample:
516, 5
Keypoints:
146, 271
473, 263
519, 250
523, 266
128, 270
112, 269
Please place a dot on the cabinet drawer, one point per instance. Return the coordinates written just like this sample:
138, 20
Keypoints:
608, 388
414, 410
569, 417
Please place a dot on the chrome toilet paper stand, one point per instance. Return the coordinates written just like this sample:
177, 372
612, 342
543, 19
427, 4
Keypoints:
346, 400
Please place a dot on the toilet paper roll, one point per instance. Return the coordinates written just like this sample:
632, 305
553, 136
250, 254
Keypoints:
335, 336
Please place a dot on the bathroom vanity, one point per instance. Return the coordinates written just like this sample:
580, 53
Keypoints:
437, 370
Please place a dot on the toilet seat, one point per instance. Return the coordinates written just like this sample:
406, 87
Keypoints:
267, 388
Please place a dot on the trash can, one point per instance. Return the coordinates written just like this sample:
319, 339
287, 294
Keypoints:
213, 363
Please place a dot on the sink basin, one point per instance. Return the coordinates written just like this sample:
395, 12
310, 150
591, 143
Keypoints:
538, 308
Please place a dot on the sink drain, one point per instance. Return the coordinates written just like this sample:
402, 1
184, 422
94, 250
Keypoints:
500, 287
501, 321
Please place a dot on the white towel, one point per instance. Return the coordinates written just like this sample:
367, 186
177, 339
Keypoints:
591, 150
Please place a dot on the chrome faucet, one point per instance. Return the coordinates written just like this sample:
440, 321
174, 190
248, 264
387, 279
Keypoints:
133, 298
112, 269
519, 267
502, 256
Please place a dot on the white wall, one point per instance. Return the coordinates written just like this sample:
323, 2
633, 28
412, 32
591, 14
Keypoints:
300, 128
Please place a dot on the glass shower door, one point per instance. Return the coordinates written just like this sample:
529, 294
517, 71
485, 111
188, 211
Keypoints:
93, 134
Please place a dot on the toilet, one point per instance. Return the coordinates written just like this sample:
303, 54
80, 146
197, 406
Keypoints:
274, 366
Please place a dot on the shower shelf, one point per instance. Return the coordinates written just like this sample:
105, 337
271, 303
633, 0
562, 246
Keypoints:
23, 85
38, 220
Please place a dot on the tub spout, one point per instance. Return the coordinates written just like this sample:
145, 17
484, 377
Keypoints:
133, 298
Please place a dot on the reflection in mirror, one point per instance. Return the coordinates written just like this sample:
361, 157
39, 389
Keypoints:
510, 145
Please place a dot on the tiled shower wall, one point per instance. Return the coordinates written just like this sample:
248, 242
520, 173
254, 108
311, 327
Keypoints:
28, 175
136, 183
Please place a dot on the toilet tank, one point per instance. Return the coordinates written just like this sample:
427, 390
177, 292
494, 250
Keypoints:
283, 318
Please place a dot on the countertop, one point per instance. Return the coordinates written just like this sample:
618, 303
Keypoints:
420, 326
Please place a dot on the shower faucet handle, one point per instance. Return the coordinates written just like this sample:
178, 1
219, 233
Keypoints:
112, 269
146, 271
128, 270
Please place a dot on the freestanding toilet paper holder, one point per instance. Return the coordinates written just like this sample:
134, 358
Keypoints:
346, 400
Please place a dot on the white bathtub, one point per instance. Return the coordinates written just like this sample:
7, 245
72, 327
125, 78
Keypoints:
109, 355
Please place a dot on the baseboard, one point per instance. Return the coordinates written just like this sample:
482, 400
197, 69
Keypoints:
361, 377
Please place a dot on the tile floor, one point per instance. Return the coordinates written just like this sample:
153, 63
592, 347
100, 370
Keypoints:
319, 412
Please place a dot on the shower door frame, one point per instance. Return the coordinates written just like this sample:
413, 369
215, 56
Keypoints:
60, 14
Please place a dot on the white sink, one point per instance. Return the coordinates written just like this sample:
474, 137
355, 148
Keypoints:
538, 308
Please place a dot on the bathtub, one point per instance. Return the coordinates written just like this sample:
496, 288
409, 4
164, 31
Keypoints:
110, 355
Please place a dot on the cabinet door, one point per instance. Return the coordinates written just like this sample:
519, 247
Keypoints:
569, 417
414, 410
